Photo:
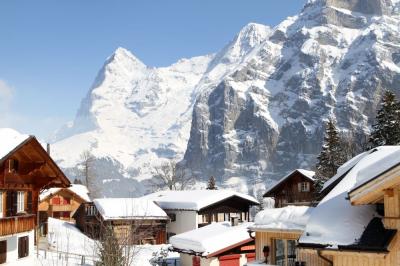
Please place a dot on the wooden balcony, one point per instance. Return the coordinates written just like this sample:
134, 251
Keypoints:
61, 208
17, 224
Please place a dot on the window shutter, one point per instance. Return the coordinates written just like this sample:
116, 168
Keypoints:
9, 203
299, 186
308, 186
3, 251
29, 202
14, 201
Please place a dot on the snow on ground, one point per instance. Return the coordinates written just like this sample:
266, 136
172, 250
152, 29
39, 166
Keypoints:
287, 218
211, 238
68, 246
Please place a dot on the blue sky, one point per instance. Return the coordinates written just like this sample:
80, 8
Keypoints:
50, 51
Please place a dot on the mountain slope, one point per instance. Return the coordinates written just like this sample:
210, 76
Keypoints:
332, 60
135, 116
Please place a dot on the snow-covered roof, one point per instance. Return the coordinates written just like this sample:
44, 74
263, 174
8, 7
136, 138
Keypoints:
79, 190
9, 140
287, 218
193, 199
335, 221
307, 173
128, 208
211, 238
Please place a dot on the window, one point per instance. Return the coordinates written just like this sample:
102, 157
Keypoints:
284, 252
66, 201
20, 201
196, 261
55, 201
172, 216
23, 246
304, 187
90, 210
3, 251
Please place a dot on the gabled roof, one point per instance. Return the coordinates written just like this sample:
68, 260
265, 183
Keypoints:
335, 222
306, 173
79, 190
210, 240
12, 142
194, 199
129, 209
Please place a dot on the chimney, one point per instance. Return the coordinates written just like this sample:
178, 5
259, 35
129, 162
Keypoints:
48, 148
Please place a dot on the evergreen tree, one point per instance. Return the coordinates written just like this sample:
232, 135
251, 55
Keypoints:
386, 130
332, 155
211, 184
77, 181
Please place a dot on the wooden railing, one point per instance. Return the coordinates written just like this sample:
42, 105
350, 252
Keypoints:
61, 208
17, 224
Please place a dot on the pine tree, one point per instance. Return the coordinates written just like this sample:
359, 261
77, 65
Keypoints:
386, 130
110, 252
211, 184
332, 155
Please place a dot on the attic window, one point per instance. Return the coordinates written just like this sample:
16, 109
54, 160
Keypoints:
13, 165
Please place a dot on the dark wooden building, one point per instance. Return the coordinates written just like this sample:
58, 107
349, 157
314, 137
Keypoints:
25, 169
132, 220
297, 188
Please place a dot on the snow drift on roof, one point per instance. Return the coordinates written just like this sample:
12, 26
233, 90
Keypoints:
307, 173
335, 221
211, 238
193, 199
9, 140
287, 218
128, 208
80, 190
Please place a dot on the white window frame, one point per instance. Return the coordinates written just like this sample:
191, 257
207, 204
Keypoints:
20, 201
304, 187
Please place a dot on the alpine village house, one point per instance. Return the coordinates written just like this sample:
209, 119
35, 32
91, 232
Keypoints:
61, 203
356, 222
25, 169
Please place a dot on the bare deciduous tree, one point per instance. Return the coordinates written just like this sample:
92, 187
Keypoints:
172, 176
86, 169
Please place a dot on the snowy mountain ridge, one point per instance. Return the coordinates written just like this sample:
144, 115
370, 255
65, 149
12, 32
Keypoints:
251, 112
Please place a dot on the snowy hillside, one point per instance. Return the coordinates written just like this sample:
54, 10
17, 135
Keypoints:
249, 113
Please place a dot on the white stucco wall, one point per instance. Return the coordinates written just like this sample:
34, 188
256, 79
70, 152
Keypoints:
12, 248
185, 221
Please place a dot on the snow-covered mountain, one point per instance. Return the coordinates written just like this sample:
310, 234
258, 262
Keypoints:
249, 113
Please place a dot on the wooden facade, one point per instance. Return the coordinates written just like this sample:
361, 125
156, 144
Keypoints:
231, 208
294, 189
127, 231
61, 205
24, 171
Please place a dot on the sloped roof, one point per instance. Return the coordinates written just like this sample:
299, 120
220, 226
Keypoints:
287, 218
211, 238
306, 173
10, 140
335, 222
77, 189
128, 208
194, 199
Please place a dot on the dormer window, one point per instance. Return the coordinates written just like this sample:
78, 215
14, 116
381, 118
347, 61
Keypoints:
12, 166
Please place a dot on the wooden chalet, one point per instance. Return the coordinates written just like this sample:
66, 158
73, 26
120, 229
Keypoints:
61, 203
133, 221
296, 188
194, 209
358, 221
25, 169
276, 232
221, 244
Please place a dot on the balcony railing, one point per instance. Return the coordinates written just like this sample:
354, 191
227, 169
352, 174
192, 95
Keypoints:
17, 224
61, 208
